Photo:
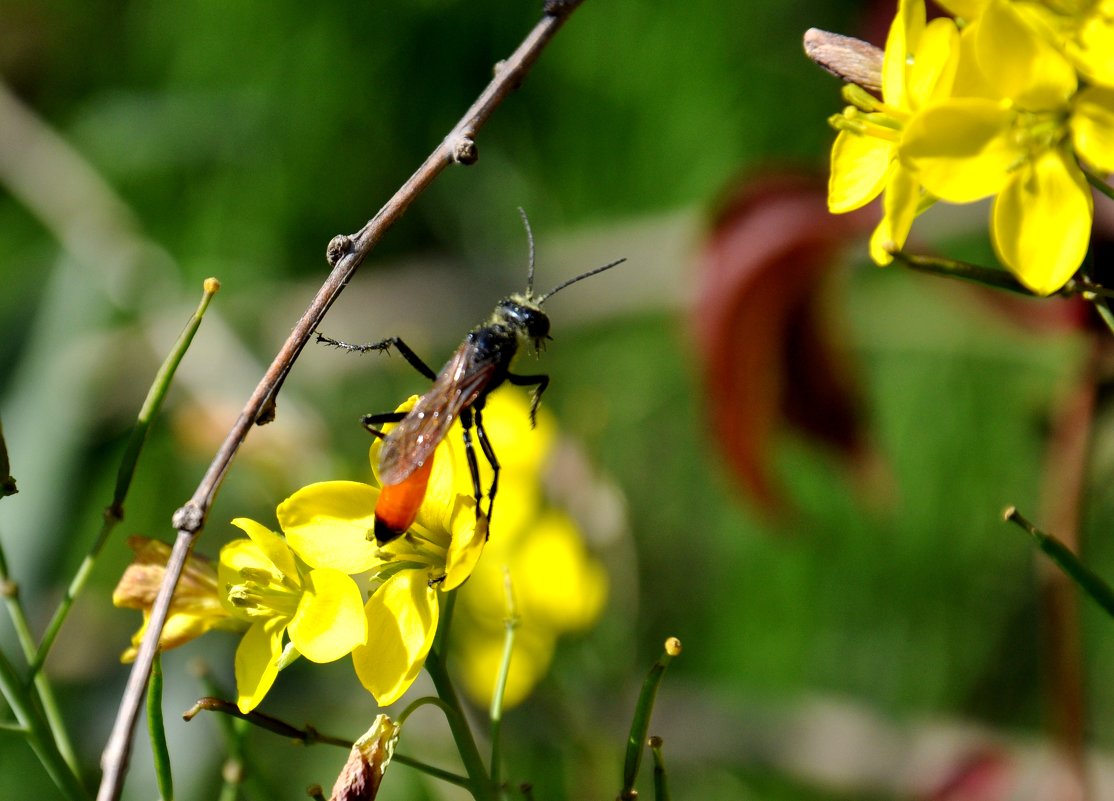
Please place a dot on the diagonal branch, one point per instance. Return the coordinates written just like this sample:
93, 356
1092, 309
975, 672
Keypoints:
345, 254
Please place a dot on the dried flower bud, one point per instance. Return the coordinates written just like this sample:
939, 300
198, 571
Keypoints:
195, 608
367, 762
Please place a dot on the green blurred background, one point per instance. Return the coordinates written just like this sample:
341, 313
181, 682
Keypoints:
238, 138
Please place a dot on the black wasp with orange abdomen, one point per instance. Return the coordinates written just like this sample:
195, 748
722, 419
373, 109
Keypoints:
480, 365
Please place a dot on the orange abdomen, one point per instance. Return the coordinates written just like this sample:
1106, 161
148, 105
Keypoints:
398, 504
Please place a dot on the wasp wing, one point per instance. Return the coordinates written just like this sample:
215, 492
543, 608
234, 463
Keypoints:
413, 441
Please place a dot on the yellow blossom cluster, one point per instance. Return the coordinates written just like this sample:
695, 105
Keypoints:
324, 588
1010, 99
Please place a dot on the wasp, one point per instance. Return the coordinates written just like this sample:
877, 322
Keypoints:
479, 365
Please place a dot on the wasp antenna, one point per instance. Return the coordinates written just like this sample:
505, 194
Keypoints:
530, 239
580, 277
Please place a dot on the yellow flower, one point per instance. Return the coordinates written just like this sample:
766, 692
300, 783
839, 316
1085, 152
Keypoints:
1008, 132
195, 607
918, 65
270, 587
1083, 30
331, 524
558, 586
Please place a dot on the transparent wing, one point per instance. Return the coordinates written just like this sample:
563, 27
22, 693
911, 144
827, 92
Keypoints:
413, 441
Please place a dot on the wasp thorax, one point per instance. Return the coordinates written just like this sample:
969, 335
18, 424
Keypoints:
524, 316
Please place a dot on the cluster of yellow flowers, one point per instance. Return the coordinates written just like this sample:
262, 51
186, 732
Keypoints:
323, 590
1010, 99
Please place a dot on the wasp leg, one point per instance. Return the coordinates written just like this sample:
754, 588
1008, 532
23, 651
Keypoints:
370, 420
473, 465
383, 346
539, 382
489, 452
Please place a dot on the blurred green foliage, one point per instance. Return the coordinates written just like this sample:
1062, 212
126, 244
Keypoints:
244, 136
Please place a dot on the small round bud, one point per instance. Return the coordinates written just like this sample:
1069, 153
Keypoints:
232, 772
339, 247
211, 286
464, 151
559, 8
673, 646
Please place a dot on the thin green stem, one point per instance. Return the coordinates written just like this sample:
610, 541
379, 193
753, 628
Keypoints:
448, 605
157, 729
43, 688
425, 700
114, 513
510, 623
430, 770
1103, 309
310, 735
1087, 580
234, 768
7, 483
38, 734
1099, 184
479, 782
996, 278
661, 776
640, 724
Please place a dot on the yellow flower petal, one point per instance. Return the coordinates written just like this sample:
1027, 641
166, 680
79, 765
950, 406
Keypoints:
905, 32
960, 149
1093, 44
402, 618
330, 620
480, 657
934, 63
469, 538
1042, 221
271, 545
899, 206
859, 168
257, 662
559, 585
968, 10
1092, 127
1018, 62
327, 524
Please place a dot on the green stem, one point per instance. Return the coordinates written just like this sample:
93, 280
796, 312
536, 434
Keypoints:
442, 636
661, 776
1099, 184
7, 483
43, 688
309, 735
1103, 309
38, 734
1088, 581
640, 724
479, 782
425, 700
234, 768
157, 729
430, 770
998, 279
510, 622
114, 513
987, 276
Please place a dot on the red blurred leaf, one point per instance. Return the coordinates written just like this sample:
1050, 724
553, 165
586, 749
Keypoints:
770, 357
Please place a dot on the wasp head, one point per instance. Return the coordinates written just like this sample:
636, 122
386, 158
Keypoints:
525, 317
